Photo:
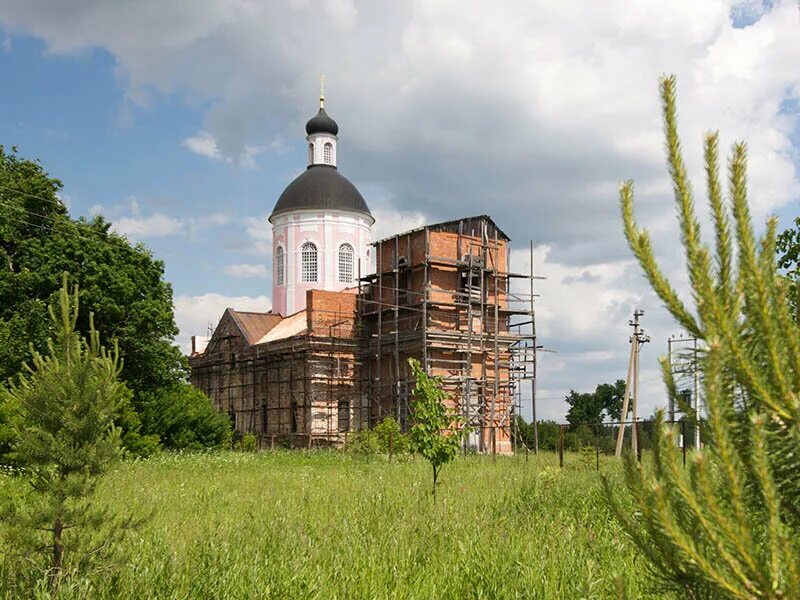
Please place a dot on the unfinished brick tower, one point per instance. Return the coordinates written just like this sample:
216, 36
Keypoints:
442, 294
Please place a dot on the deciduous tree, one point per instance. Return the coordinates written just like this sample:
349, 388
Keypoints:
788, 248
437, 432
121, 283
604, 403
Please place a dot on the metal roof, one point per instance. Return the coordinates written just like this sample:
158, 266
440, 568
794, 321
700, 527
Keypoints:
469, 225
254, 325
321, 187
291, 326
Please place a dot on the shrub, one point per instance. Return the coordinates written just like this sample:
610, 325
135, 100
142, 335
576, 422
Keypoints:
363, 442
184, 418
248, 442
379, 439
389, 435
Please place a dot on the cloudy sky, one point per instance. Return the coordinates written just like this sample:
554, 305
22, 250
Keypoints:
182, 122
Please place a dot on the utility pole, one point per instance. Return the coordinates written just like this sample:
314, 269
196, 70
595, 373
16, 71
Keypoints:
637, 340
696, 398
672, 343
533, 368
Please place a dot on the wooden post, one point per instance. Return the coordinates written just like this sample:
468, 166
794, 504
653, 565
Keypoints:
635, 407
624, 415
683, 441
637, 446
597, 445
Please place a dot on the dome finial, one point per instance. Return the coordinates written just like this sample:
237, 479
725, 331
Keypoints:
322, 91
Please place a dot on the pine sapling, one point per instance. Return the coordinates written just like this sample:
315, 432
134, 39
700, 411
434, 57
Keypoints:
728, 525
66, 441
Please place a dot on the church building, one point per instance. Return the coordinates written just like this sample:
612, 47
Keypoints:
330, 357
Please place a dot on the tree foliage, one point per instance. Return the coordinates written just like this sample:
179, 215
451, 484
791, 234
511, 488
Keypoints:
386, 437
437, 432
594, 407
121, 283
523, 434
184, 418
727, 526
788, 248
65, 441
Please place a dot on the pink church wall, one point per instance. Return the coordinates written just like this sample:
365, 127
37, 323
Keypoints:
328, 231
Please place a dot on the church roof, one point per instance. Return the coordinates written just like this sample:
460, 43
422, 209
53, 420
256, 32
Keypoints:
254, 325
472, 226
321, 123
321, 187
290, 326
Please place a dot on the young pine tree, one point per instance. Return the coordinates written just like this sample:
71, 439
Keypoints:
728, 525
65, 441
437, 432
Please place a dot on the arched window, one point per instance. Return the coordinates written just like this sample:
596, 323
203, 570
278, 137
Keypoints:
327, 153
311, 154
280, 266
344, 415
308, 258
345, 263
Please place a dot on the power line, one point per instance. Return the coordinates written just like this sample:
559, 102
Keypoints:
54, 220
102, 238
24, 193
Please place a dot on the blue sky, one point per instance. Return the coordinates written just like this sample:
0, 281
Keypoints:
183, 130
71, 113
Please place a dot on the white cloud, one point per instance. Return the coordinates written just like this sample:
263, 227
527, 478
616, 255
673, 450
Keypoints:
6, 46
391, 221
528, 111
127, 219
153, 226
247, 270
196, 314
259, 231
204, 144
582, 317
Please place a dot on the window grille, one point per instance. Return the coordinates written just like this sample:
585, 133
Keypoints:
328, 153
308, 257
280, 266
345, 263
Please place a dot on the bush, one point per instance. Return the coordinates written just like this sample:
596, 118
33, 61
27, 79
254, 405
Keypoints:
363, 442
389, 435
248, 443
184, 418
378, 439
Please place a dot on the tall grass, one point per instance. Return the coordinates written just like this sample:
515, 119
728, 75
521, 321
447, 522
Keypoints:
324, 525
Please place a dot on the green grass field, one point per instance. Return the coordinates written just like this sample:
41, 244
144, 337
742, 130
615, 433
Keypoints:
323, 525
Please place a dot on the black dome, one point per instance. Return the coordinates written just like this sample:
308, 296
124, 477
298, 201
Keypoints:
321, 123
321, 187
